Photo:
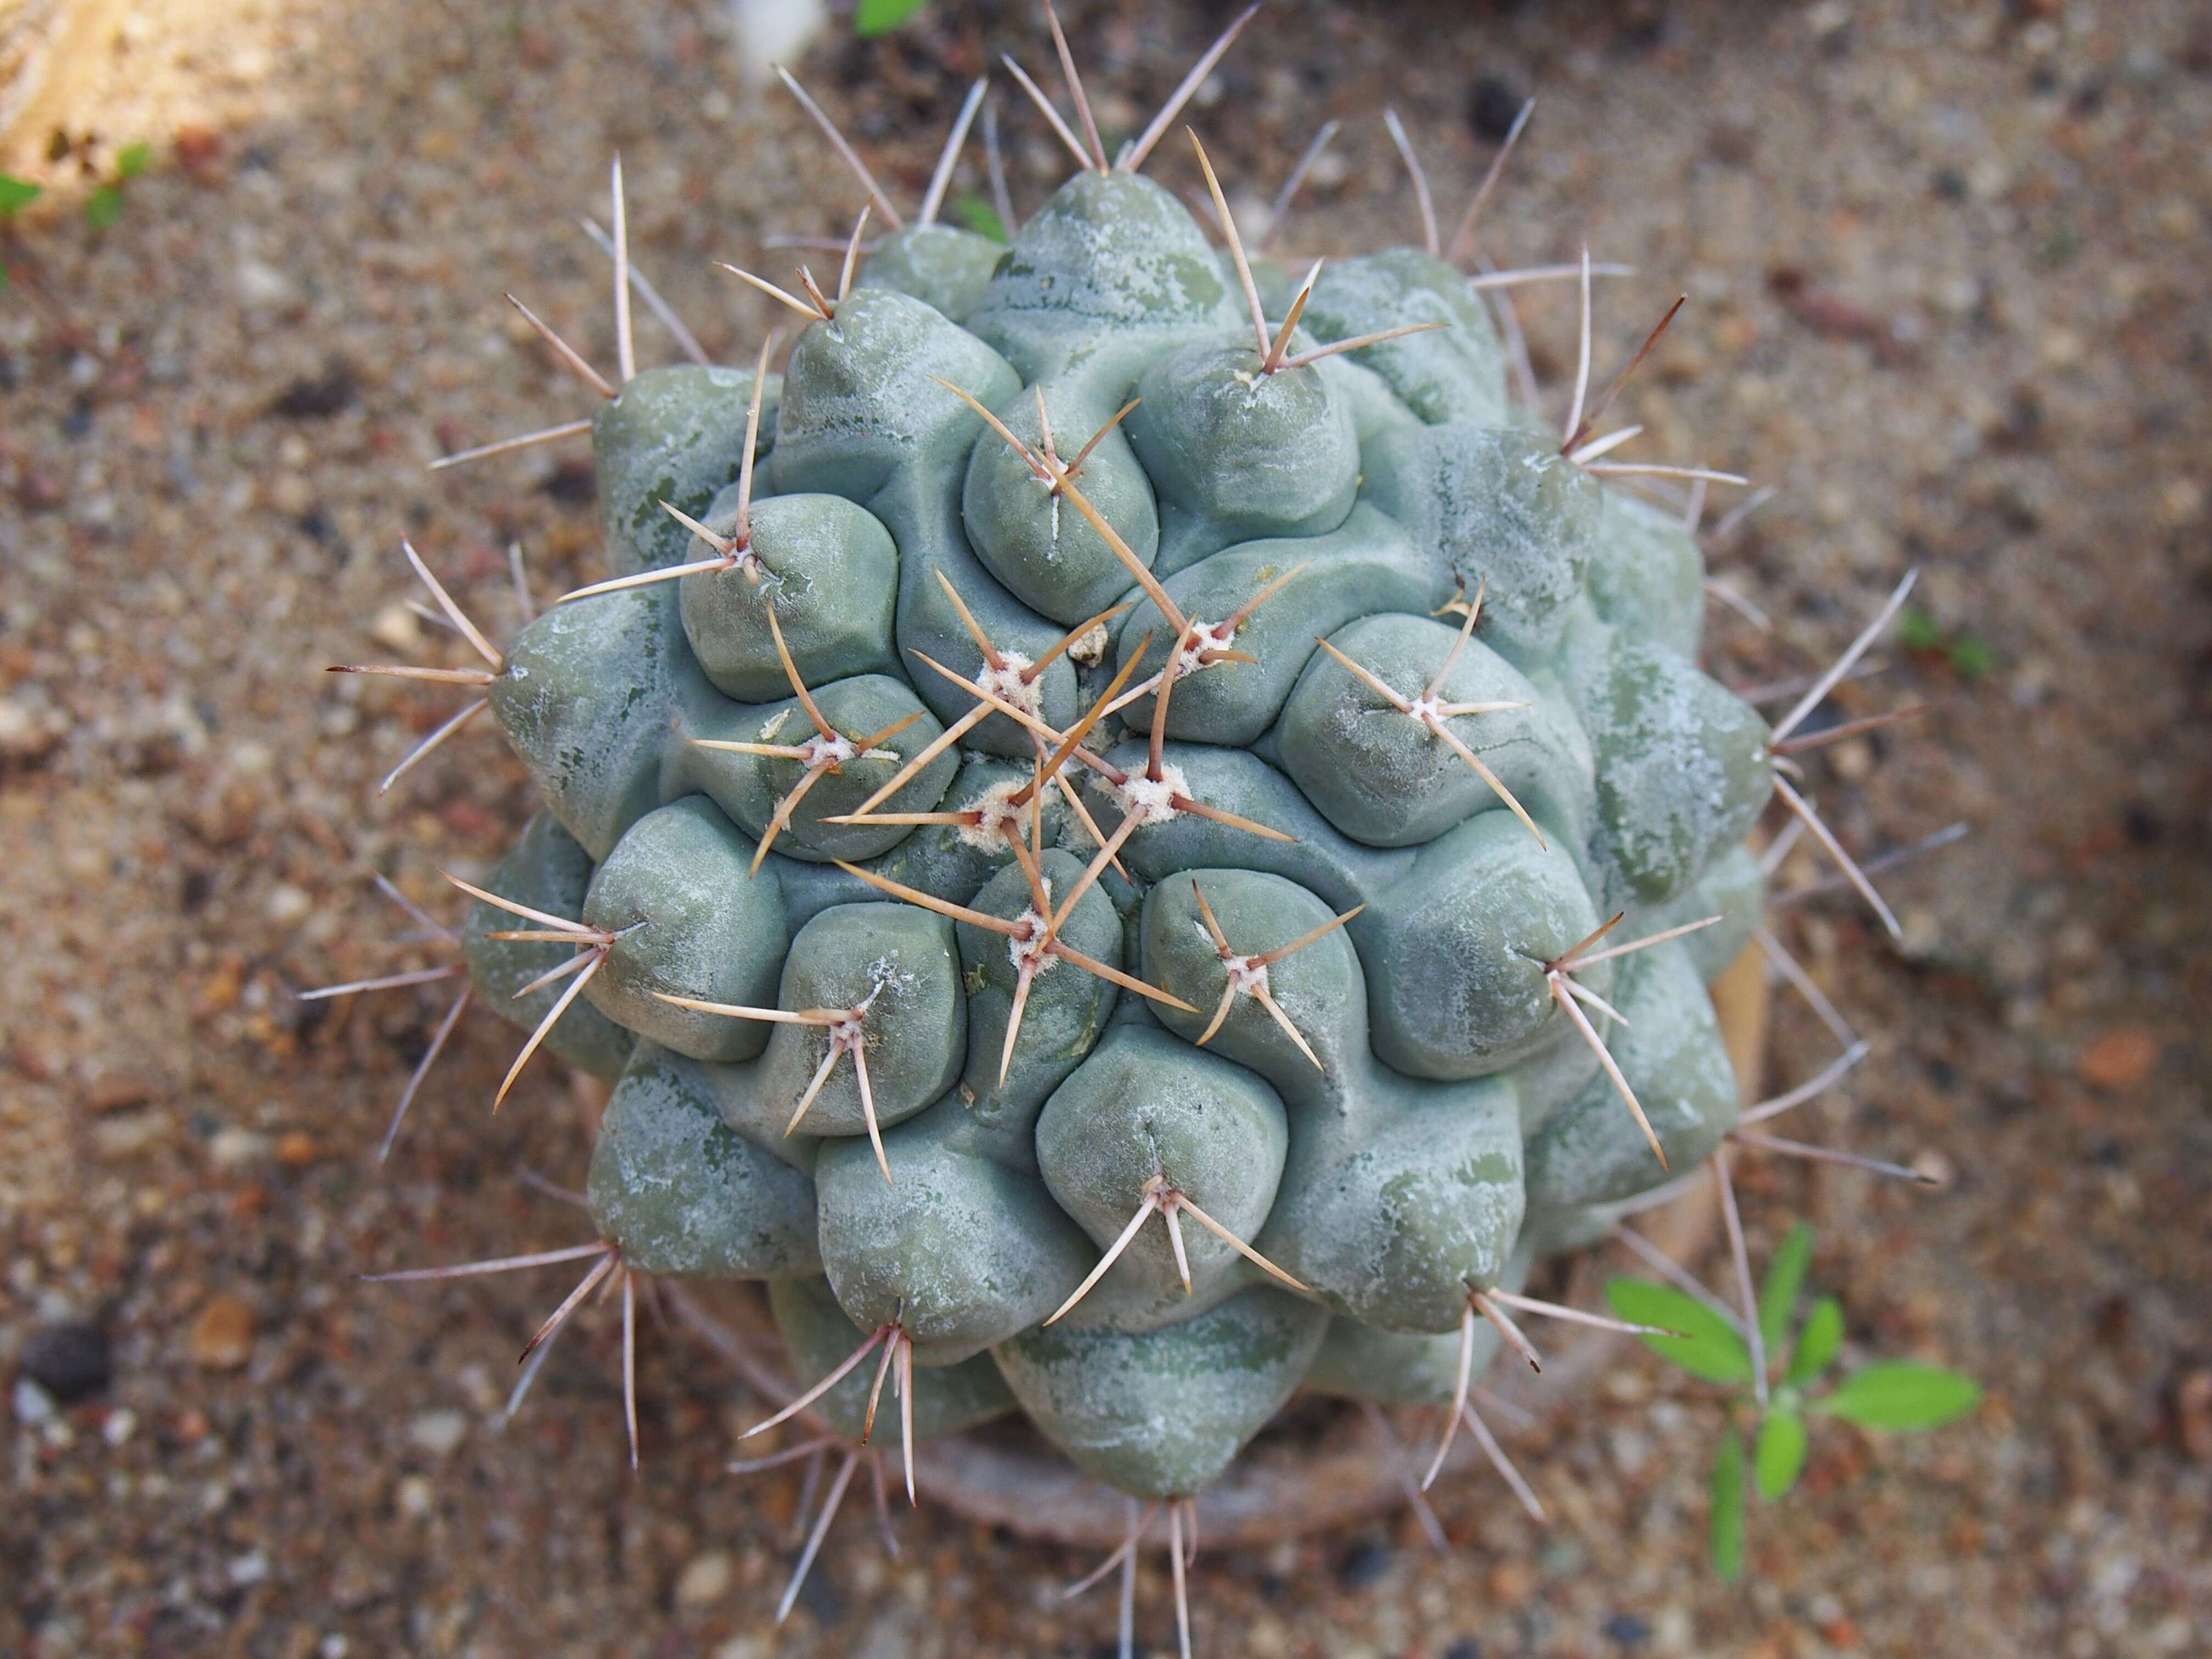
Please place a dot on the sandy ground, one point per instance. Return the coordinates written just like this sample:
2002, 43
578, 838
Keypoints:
1946, 271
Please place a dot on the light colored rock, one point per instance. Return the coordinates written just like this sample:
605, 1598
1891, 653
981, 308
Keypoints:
706, 1579
439, 1432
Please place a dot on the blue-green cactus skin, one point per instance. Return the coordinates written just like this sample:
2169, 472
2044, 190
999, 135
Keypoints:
1437, 1122
1159, 1415
546, 870
687, 1196
676, 435
1590, 1151
819, 1337
947, 269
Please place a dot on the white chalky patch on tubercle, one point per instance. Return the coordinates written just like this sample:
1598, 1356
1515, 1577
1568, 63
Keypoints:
1148, 801
1204, 637
1030, 953
1007, 683
773, 723
998, 809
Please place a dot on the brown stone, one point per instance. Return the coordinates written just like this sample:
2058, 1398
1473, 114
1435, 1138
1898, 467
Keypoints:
118, 1091
222, 1334
1512, 1584
35, 1059
2192, 1404
2123, 1059
197, 147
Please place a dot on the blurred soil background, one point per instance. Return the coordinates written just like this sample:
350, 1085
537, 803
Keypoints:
1947, 269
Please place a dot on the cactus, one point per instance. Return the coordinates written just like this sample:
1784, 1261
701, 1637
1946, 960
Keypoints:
1132, 833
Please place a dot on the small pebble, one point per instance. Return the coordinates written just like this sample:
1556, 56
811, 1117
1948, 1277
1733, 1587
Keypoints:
32, 1404
1493, 106
70, 1360
439, 1432
131, 1134
1366, 1564
2193, 1407
117, 1091
222, 1334
234, 1148
397, 630
262, 284
288, 904
2121, 1060
706, 1579
1934, 1168
29, 732
319, 397
1511, 1582
1922, 934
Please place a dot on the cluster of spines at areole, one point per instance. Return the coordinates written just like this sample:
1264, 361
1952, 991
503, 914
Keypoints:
1276, 796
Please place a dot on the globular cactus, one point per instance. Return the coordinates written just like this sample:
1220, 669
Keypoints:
1131, 834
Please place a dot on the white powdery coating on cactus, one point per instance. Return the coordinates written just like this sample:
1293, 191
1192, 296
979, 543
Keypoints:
1000, 817
1204, 637
1662, 756
884, 974
1005, 682
1026, 951
1148, 800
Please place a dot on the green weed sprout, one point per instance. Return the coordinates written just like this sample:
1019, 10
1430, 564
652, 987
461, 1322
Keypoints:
1776, 1381
874, 17
15, 195
104, 205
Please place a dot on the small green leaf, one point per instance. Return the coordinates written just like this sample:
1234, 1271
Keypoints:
103, 207
17, 193
1726, 1525
1708, 1347
1902, 1395
1785, 1277
980, 217
1970, 658
1817, 1343
131, 162
874, 17
1916, 630
1779, 1457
